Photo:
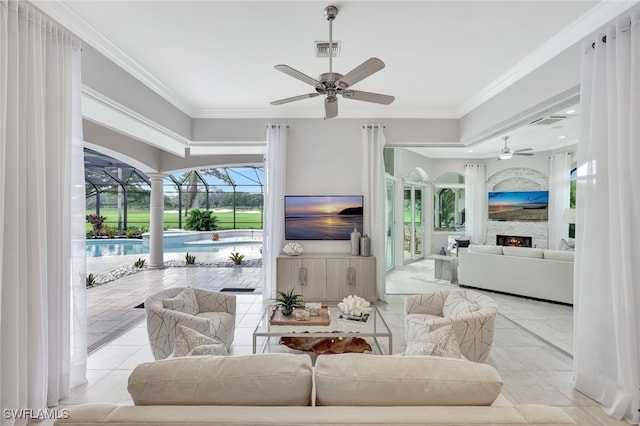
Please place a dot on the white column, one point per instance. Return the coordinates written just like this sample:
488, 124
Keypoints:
156, 226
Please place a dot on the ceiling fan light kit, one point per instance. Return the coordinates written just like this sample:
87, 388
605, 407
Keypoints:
507, 153
332, 84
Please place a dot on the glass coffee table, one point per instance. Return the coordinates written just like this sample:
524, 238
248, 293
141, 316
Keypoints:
266, 336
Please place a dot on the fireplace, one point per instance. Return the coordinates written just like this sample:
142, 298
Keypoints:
513, 240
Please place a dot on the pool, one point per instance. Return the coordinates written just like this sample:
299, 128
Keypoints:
99, 248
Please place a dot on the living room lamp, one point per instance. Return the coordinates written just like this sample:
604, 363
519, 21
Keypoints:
505, 156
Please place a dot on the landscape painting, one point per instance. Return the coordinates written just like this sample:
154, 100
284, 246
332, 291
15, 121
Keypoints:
519, 206
322, 217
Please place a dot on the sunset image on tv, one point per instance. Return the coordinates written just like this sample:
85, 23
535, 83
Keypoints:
519, 205
322, 217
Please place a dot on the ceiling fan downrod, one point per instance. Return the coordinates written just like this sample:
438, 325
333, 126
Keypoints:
330, 12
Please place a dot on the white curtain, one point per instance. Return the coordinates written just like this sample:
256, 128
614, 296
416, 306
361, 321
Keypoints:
475, 202
42, 311
275, 166
559, 196
375, 198
607, 270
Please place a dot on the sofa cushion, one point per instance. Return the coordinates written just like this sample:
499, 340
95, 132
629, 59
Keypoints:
378, 380
534, 253
456, 304
187, 339
478, 248
261, 380
185, 301
564, 256
440, 342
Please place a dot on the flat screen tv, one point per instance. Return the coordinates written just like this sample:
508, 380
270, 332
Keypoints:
322, 217
519, 206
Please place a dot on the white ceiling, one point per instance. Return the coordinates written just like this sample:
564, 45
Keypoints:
216, 58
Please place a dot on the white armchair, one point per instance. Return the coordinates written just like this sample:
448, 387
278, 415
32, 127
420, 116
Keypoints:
471, 315
213, 314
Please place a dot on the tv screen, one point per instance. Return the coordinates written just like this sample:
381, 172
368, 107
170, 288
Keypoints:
519, 206
322, 217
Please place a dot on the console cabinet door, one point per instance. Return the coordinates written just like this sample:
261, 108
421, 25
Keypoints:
349, 276
305, 276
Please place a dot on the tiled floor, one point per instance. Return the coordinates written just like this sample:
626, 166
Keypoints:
535, 368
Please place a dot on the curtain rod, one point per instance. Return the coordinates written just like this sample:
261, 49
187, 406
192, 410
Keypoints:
369, 126
274, 126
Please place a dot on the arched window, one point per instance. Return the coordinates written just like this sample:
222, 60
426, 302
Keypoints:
449, 211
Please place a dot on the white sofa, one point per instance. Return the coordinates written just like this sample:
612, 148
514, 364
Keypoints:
532, 272
285, 389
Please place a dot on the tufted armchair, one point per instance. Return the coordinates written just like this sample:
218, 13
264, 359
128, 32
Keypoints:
471, 314
211, 313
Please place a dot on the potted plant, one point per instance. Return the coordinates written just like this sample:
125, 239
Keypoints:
287, 301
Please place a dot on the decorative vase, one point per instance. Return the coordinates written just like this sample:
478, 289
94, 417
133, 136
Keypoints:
443, 252
365, 246
355, 242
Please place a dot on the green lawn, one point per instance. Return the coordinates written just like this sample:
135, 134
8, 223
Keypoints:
140, 218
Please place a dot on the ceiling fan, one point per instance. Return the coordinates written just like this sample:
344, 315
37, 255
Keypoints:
332, 84
506, 152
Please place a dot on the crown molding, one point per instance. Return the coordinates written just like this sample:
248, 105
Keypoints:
345, 112
65, 16
592, 21
105, 111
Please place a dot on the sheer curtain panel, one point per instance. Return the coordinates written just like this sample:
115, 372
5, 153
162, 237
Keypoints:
275, 166
475, 202
43, 342
559, 196
607, 271
374, 189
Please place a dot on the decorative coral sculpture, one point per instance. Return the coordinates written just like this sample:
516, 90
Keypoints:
354, 305
293, 249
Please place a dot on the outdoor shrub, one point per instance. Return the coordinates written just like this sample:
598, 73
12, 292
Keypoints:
200, 220
97, 222
139, 263
108, 231
236, 258
91, 279
190, 259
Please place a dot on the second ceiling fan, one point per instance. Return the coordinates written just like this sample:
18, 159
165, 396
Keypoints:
331, 84
506, 153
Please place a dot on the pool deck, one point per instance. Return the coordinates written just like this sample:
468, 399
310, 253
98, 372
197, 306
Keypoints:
111, 307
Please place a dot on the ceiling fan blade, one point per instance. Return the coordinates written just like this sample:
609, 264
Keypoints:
523, 153
359, 95
294, 98
330, 107
362, 71
297, 74
523, 150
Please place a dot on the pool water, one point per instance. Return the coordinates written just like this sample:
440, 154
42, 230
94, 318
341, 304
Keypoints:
125, 247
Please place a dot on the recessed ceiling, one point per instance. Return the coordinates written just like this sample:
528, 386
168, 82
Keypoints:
216, 58
559, 129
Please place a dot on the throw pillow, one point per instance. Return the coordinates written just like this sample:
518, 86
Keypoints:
442, 342
185, 301
419, 347
456, 304
215, 349
187, 339
567, 245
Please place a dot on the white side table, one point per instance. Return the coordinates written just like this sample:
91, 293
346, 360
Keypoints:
446, 267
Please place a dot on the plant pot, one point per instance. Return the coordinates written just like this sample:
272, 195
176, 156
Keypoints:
286, 310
